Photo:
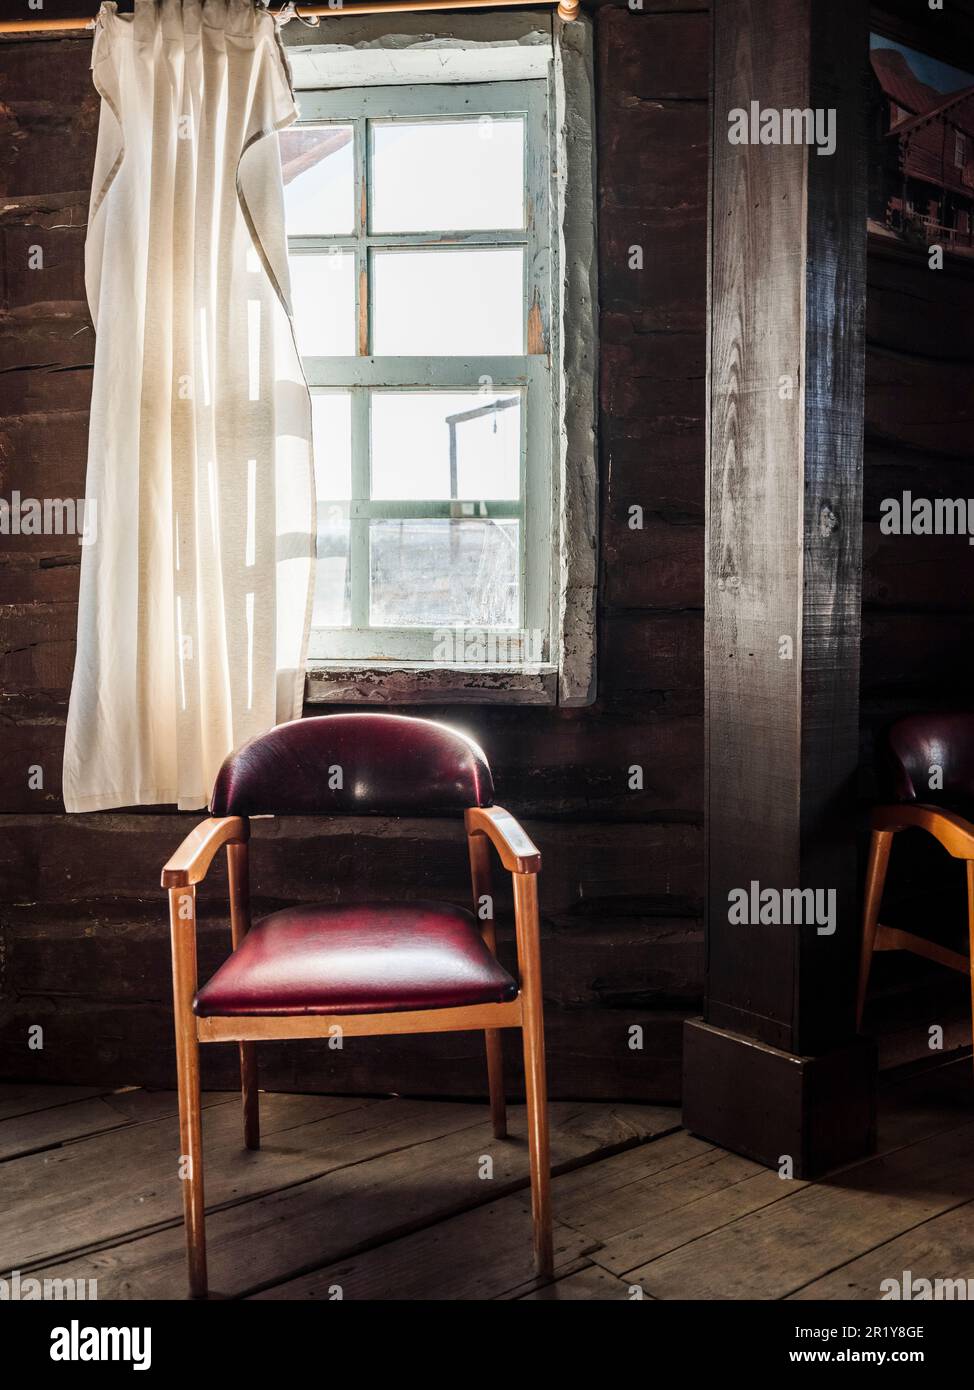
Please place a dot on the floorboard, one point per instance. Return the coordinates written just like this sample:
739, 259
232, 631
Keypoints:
941, 1248
435, 1263
775, 1250
589, 1283
70, 1121
392, 1199
75, 1196
21, 1099
423, 1165
697, 1197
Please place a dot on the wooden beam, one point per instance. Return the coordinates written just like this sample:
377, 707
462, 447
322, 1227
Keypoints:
567, 9
784, 522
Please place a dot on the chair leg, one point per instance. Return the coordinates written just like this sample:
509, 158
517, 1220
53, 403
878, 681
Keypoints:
879, 848
495, 1082
970, 927
479, 851
191, 1145
238, 875
182, 912
532, 1030
250, 1093
537, 1099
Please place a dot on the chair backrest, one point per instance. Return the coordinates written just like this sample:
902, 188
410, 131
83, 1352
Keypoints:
354, 765
920, 742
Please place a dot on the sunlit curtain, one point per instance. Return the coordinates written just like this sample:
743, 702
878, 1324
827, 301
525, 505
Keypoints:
195, 595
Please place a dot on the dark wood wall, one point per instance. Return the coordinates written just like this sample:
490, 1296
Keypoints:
918, 591
918, 617
84, 945
918, 603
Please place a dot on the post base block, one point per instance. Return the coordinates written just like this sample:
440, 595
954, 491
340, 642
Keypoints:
766, 1104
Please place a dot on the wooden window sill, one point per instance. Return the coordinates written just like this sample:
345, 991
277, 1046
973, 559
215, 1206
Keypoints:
418, 683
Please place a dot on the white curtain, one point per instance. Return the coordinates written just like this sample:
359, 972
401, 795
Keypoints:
196, 593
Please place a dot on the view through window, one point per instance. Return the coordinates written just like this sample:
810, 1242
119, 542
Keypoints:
418, 224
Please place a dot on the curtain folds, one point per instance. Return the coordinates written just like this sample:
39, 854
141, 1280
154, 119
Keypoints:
195, 598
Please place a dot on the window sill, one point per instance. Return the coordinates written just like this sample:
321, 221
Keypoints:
419, 683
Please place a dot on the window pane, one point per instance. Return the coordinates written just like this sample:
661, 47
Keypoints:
331, 419
319, 180
436, 573
464, 175
332, 601
323, 295
448, 303
440, 445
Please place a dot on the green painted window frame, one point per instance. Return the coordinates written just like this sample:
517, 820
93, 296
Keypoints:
530, 373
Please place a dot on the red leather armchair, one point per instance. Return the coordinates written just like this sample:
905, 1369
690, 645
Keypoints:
371, 968
927, 761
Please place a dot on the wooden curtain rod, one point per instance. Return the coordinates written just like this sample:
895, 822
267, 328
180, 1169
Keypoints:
567, 9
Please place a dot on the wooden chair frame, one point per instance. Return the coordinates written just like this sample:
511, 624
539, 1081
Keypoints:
957, 837
189, 865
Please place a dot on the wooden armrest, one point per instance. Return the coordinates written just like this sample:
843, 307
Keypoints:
517, 853
194, 856
954, 832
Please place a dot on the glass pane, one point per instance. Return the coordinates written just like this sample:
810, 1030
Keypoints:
323, 295
332, 601
464, 175
448, 303
331, 418
435, 573
319, 180
440, 445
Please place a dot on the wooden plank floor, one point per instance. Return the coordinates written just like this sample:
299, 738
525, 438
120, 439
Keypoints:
397, 1199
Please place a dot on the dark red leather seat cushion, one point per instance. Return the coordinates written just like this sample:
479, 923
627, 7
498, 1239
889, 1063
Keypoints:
366, 958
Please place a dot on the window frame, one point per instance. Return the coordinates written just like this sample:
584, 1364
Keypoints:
530, 373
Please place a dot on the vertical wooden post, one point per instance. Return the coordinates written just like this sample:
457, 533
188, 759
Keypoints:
182, 924
774, 1068
238, 875
481, 880
532, 1028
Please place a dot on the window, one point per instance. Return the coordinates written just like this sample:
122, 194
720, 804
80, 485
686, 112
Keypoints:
960, 148
421, 259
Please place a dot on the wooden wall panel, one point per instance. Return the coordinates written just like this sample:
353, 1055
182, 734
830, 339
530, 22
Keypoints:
84, 937
917, 624
917, 590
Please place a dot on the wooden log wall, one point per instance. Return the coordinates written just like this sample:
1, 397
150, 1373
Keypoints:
918, 616
83, 931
